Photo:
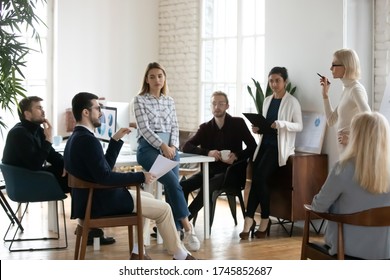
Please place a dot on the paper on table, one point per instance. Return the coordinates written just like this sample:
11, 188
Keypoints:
161, 166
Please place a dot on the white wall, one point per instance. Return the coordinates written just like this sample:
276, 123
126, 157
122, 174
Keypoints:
302, 35
102, 46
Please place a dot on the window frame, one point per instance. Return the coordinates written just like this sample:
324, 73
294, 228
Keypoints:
239, 98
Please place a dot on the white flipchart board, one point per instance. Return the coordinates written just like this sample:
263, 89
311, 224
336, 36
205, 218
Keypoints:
311, 138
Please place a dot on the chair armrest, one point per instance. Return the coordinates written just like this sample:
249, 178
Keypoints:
24, 185
338, 218
78, 183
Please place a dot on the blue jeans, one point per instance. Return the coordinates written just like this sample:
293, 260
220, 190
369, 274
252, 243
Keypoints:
146, 155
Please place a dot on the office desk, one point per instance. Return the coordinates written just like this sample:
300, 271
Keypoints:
127, 159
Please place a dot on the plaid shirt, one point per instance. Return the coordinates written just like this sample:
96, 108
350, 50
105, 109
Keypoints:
156, 115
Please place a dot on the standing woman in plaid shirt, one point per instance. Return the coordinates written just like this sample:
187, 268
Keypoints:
158, 128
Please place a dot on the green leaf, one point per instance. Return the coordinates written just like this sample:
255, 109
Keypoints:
259, 98
15, 15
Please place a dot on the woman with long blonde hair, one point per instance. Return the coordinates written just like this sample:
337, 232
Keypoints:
360, 181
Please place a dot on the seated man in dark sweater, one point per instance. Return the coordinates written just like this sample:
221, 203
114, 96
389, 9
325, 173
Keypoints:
222, 132
29, 145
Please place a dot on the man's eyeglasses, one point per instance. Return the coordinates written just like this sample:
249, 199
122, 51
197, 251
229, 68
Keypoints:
336, 65
97, 108
218, 104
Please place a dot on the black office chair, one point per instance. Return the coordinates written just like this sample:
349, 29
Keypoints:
25, 186
233, 184
7, 208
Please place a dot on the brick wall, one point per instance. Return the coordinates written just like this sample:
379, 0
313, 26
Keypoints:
381, 50
179, 27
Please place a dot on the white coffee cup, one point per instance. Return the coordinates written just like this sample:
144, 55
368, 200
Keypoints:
225, 154
57, 140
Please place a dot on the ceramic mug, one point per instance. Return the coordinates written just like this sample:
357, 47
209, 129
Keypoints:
225, 154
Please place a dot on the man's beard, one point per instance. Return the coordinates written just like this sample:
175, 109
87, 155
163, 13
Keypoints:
38, 121
219, 114
96, 123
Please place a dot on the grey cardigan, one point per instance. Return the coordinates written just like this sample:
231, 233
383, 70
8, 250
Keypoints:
342, 194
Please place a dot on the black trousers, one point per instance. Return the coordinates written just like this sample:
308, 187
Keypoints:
63, 181
265, 164
196, 182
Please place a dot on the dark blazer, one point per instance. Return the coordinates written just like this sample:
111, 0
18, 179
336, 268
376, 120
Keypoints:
230, 137
85, 159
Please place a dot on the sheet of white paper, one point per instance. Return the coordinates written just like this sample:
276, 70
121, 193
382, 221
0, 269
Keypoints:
162, 165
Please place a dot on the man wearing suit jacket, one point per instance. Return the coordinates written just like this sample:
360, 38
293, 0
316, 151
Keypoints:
85, 159
29, 145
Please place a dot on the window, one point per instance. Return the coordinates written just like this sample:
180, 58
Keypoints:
233, 34
37, 73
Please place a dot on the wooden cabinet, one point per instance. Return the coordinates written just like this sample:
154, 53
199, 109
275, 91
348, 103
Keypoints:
295, 184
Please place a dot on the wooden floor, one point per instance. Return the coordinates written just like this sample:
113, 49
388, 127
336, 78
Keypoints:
224, 242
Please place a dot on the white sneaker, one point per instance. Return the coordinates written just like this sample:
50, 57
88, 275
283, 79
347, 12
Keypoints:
190, 240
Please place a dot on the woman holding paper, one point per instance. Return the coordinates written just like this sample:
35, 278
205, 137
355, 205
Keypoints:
158, 128
276, 144
345, 66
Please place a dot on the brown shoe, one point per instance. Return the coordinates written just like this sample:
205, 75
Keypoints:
188, 258
136, 257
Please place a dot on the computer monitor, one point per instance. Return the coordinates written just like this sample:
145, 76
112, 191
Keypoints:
122, 115
109, 124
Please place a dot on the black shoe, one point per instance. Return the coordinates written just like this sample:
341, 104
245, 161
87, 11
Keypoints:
181, 235
136, 257
97, 232
154, 234
103, 241
188, 258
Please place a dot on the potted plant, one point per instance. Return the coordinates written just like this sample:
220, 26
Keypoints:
258, 98
14, 14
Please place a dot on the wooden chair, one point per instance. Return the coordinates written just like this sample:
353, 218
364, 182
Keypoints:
374, 217
83, 226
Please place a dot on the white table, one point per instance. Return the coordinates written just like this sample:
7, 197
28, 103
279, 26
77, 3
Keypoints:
126, 158
129, 158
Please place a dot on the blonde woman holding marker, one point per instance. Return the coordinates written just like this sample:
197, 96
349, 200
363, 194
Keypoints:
354, 100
